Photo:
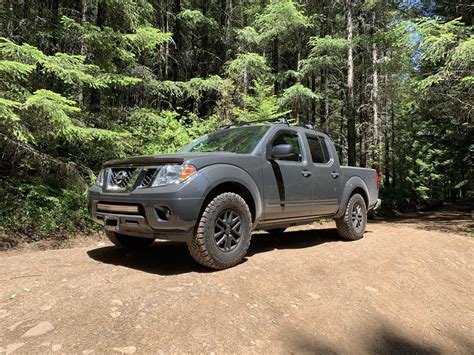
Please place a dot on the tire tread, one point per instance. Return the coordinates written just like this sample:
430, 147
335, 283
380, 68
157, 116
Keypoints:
197, 246
344, 223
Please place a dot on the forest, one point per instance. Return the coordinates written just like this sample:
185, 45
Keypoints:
82, 82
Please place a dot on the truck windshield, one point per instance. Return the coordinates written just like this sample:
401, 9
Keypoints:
241, 140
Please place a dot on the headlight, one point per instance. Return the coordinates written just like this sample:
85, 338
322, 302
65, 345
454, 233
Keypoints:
100, 178
173, 174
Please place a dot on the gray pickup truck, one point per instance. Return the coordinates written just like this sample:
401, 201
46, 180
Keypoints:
216, 190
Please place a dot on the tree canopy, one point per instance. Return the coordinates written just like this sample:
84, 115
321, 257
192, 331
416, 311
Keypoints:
86, 81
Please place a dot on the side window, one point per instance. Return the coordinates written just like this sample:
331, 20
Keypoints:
324, 145
319, 149
289, 138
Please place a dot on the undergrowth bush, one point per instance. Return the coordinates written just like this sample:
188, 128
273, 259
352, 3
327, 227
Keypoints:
34, 210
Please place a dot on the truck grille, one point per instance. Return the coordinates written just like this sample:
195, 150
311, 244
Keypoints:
127, 178
120, 177
148, 178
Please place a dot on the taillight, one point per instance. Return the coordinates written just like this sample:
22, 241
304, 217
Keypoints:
377, 179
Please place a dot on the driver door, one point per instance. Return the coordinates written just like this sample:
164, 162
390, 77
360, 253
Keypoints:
288, 188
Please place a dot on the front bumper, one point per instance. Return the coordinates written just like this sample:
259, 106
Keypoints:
140, 212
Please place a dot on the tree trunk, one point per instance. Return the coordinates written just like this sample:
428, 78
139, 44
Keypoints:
326, 105
26, 9
101, 13
203, 67
177, 39
363, 140
386, 158
340, 150
10, 11
167, 46
392, 126
376, 157
95, 97
228, 25
84, 18
351, 131
276, 63
313, 103
322, 105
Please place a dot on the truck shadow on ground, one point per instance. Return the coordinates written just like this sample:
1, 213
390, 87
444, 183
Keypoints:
172, 258
381, 337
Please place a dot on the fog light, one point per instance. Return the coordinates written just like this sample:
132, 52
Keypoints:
163, 213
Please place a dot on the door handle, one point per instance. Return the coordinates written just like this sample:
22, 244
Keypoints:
334, 175
306, 173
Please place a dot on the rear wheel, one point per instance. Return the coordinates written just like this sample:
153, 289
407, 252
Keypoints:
129, 242
351, 225
223, 234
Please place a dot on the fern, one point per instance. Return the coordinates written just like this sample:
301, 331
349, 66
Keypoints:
146, 39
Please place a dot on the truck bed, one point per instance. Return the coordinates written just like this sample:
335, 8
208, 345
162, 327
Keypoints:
369, 176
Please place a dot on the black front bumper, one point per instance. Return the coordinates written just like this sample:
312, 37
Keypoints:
138, 214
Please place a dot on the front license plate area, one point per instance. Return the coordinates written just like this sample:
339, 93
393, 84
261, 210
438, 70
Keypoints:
111, 223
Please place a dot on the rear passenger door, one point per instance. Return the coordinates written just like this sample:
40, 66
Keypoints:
326, 175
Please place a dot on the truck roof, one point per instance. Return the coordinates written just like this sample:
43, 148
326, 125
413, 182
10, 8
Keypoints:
303, 128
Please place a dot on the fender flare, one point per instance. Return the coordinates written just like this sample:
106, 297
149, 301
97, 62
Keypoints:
225, 173
353, 183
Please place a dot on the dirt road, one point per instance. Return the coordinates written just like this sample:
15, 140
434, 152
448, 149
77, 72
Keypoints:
406, 287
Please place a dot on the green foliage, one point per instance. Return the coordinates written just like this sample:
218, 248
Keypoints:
247, 67
260, 105
279, 19
163, 131
101, 79
298, 98
195, 19
70, 69
147, 39
326, 52
7, 111
196, 87
248, 37
38, 210
128, 15
16, 70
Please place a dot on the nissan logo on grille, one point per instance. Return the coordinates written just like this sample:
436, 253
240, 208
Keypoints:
120, 178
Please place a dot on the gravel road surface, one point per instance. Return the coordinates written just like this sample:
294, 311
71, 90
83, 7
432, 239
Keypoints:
406, 287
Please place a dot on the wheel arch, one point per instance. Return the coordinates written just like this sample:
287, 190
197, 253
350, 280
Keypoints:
241, 183
353, 186
363, 193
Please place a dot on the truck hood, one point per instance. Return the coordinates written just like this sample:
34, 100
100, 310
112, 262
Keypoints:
178, 158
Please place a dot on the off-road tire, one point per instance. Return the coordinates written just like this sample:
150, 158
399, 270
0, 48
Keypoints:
129, 242
276, 231
203, 247
345, 225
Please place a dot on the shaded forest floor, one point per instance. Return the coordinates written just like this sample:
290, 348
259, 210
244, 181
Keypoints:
454, 218
405, 287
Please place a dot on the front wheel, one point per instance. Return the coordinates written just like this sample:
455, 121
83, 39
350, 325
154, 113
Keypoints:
351, 225
129, 242
223, 233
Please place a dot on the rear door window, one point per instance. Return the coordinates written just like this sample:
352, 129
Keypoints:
319, 149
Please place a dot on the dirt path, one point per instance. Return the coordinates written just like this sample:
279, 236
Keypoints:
405, 287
